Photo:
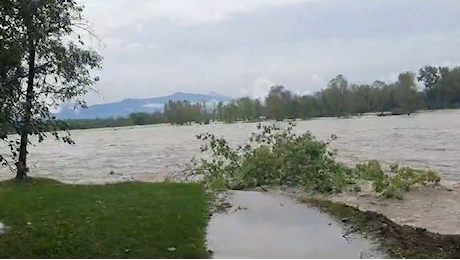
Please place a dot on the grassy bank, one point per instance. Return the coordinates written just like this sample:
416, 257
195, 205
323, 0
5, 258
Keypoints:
398, 241
47, 219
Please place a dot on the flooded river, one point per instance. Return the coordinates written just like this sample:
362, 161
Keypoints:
426, 140
152, 153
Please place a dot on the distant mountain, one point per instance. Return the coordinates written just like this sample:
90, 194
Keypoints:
128, 106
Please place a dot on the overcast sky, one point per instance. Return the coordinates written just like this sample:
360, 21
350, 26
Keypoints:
242, 47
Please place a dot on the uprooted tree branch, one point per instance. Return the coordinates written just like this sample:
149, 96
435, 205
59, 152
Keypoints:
277, 156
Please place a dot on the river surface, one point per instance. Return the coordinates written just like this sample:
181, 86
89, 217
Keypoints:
425, 140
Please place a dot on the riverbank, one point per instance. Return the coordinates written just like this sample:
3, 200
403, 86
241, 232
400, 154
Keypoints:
124, 221
398, 241
48, 219
358, 225
260, 224
435, 208
423, 224
404, 228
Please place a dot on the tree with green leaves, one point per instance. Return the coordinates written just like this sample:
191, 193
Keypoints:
360, 99
337, 94
54, 67
279, 103
11, 69
406, 92
430, 76
219, 111
246, 106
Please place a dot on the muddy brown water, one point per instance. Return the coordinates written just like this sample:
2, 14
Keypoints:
261, 225
152, 153
426, 140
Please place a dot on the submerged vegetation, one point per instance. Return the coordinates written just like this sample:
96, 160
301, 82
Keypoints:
277, 156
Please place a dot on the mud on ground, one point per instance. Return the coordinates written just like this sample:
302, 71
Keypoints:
400, 241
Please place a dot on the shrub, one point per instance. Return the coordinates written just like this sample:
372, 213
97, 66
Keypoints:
398, 181
277, 156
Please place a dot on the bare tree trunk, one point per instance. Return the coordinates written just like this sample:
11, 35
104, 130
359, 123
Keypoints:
21, 165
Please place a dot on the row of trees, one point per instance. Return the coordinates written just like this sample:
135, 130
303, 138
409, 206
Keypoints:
182, 112
340, 98
133, 119
175, 112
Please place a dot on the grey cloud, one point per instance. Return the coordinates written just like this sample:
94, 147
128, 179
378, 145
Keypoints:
311, 21
300, 45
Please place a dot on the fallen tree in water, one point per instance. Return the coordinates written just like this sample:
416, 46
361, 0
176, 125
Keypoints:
276, 156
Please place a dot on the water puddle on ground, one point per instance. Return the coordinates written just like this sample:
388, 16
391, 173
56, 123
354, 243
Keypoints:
261, 225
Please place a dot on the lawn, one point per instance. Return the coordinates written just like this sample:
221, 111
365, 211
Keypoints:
47, 219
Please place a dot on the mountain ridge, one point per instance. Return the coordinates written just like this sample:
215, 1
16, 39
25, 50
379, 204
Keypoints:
127, 106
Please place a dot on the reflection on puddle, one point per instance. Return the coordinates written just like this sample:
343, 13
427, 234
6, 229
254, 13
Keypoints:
267, 226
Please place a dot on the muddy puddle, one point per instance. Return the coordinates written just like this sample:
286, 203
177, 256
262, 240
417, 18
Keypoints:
261, 225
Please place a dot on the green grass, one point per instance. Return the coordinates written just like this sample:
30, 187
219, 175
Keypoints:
47, 219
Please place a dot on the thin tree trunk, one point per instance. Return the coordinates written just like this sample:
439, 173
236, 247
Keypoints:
21, 166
